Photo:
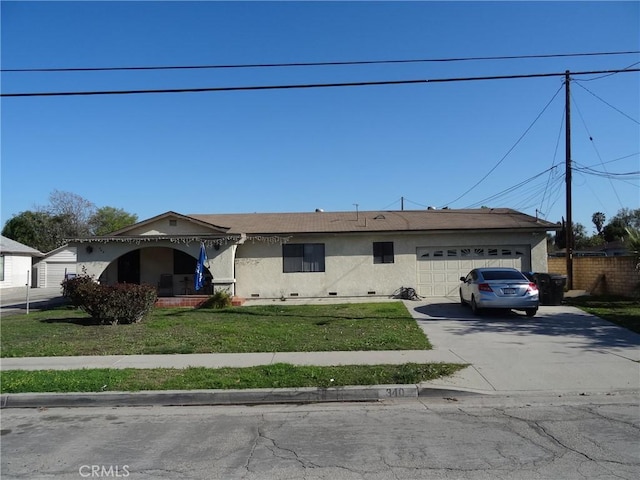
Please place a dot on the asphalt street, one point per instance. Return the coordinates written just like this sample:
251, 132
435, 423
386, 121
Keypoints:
473, 437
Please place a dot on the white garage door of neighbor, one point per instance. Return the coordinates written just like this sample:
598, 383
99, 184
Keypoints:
440, 268
56, 271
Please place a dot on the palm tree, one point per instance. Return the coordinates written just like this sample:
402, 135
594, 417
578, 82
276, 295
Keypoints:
598, 220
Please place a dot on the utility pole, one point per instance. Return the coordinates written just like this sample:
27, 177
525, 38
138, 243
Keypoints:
569, 225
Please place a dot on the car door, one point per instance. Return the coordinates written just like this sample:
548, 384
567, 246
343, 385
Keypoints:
465, 287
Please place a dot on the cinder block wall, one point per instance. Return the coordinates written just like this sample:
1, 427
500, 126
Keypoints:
620, 274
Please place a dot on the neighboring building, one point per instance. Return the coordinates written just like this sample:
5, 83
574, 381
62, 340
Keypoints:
319, 254
616, 248
55, 265
16, 263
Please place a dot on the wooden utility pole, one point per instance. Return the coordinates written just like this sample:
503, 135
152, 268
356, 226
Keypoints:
569, 225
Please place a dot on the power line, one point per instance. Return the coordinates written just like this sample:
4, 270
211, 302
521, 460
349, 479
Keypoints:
608, 75
313, 64
310, 85
606, 174
579, 83
553, 164
509, 189
510, 150
595, 148
618, 159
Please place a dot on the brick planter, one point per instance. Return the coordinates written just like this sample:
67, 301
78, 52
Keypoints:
192, 301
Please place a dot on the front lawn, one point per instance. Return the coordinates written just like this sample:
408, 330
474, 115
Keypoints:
266, 376
619, 310
274, 328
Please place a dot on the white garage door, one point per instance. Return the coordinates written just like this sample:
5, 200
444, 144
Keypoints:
440, 268
56, 271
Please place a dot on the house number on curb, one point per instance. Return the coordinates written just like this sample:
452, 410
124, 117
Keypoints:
395, 392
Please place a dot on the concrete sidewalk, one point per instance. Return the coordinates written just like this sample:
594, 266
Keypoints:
236, 360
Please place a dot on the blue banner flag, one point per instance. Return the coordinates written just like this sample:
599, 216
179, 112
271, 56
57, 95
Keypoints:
200, 268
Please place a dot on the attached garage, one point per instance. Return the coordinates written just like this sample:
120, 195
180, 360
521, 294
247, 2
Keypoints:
440, 268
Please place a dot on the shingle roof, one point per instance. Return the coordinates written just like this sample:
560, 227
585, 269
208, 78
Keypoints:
11, 246
377, 221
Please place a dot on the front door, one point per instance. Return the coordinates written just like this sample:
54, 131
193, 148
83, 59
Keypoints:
129, 267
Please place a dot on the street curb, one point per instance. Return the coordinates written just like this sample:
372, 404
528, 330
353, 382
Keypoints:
219, 397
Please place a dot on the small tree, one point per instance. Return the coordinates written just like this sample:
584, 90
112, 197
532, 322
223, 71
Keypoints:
109, 219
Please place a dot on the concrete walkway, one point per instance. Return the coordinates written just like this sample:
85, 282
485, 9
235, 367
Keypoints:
560, 351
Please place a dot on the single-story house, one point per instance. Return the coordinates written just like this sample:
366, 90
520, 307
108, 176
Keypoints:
16, 263
55, 265
317, 254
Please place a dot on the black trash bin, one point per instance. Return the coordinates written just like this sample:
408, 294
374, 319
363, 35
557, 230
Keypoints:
543, 281
558, 282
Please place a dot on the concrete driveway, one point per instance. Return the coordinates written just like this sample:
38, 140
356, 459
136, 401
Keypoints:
16, 300
560, 350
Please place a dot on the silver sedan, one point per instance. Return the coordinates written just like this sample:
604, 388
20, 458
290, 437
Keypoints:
498, 287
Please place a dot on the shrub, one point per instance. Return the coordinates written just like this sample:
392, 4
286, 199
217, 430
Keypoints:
220, 299
110, 304
76, 288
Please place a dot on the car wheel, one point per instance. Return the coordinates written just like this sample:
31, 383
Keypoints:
462, 302
474, 306
531, 312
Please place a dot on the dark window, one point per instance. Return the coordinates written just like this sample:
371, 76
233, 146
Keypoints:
502, 275
183, 263
382, 252
303, 257
1, 268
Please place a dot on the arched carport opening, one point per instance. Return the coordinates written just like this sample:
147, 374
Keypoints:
170, 270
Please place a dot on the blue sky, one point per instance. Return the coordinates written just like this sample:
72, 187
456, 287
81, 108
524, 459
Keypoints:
297, 150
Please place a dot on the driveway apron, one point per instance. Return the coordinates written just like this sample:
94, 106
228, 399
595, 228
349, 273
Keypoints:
561, 349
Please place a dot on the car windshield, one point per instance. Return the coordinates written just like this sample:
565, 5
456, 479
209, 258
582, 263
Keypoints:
502, 275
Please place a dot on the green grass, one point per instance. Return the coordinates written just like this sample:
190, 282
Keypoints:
619, 310
273, 328
267, 376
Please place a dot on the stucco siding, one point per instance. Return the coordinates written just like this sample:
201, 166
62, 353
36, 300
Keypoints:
170, 226
349, 267
156, 259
